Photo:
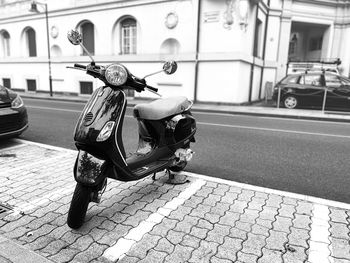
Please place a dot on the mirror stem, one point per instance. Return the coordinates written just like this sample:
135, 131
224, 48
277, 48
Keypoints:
87, 52
160, 71
153, 92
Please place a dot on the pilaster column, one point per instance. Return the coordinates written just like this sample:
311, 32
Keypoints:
286, 24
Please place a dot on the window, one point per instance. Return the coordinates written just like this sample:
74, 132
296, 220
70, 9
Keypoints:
257, 38
293, 45
332, 81
345, 81
5, 44
86, 87
290, 80
292, 48
88, 35
31, 84
6, 82
128, 36
315, 43
314, 80
31, 42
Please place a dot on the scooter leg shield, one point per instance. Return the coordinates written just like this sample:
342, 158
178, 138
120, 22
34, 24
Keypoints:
88, 169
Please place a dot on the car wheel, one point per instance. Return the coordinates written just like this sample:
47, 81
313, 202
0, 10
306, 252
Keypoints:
290, 102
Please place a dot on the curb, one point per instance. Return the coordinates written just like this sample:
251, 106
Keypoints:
216, 109
15, 253
70, 99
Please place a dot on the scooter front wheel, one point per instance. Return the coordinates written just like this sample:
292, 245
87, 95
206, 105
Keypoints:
78, 206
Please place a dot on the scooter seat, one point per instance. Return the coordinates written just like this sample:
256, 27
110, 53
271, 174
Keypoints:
161, 108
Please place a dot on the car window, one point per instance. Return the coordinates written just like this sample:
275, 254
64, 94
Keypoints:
314, 80
290, 80
345, 81
332, 81
2, 91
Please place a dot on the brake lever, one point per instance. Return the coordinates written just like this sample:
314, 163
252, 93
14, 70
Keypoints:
76, 68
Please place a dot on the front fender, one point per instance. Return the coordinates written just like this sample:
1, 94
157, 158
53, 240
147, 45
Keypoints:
88, 169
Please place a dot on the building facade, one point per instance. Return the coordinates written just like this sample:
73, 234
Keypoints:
227, 50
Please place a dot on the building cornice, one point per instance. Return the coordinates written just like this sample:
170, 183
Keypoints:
88, 8
139, 58
332, 3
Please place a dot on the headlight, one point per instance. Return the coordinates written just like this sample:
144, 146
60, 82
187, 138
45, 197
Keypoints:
17, 102
116, 74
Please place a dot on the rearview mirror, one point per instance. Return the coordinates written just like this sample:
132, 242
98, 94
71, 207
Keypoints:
170, 67
74, 37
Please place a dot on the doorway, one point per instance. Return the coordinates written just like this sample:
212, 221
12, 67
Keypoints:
309, 42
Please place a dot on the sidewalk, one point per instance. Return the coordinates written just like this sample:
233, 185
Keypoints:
257, 109
205, 220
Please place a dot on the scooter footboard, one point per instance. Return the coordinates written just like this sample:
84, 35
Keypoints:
88, 169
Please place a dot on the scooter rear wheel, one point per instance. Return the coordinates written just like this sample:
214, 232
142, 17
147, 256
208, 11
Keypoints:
78, 206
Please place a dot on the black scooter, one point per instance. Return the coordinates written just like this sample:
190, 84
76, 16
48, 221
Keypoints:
166, 129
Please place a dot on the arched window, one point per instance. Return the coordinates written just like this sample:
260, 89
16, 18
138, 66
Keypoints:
87, 30
128, 33
4, 44
30, 39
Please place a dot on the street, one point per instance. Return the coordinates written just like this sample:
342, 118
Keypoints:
299, 156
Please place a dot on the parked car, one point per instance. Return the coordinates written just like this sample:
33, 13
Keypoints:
13, 114
308, 89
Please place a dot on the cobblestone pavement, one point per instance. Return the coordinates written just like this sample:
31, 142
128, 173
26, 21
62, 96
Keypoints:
150, 221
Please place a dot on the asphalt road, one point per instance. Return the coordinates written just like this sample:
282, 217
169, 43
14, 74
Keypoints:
300, 156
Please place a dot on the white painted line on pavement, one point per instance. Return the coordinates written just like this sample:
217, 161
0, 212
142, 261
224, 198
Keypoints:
67, 110
273, 130
56, 101
307, 120
49, 108
124, 244
11, 148
307, 198
41, 201
233, 114
36, 163
319, 251
60, 149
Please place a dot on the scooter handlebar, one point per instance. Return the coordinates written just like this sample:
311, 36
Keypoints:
151, 88
137, 83
79, 66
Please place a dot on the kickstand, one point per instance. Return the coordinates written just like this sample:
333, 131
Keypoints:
154, 177
176, 178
